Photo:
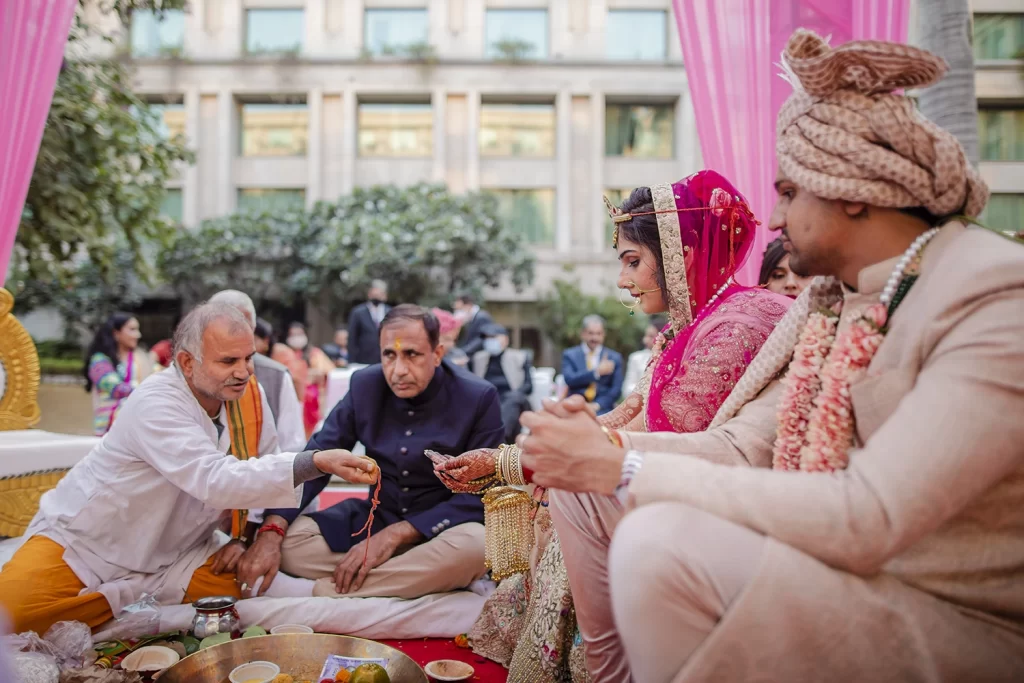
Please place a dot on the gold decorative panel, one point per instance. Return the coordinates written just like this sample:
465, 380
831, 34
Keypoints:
19, 407
19, 499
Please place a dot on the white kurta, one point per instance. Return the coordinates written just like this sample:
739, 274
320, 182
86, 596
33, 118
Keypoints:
137, 514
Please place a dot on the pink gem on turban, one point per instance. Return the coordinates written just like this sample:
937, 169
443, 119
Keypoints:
720, 201
447, 321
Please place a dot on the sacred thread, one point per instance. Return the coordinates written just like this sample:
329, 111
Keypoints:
368, 527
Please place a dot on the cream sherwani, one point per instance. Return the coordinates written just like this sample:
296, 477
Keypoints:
137, 514
908, 565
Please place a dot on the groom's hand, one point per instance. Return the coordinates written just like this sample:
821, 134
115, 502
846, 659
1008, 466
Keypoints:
568, 450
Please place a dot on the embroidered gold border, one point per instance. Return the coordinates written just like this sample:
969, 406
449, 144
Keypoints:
672, 256
19, 407
19, 499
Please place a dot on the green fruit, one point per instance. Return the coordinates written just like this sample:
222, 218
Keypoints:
215, 639
254, 631
370, 673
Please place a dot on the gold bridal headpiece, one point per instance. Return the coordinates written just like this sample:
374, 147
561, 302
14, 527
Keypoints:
718, 204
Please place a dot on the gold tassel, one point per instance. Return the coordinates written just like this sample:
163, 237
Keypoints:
508, 531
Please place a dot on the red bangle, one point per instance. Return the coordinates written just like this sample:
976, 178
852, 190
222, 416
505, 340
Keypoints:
527, 475
272, 527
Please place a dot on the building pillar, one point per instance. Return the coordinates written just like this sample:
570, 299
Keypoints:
349, 131
314, 146
190, 184
438, 108
597, 189
226, 130
472, 140
563, 145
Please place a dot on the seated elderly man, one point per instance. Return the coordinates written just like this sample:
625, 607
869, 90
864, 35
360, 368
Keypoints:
424, 539
886, 542
190, 451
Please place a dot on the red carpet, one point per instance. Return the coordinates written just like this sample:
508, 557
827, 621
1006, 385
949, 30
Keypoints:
428, 650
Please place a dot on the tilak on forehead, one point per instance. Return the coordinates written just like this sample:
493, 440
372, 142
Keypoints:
398, 344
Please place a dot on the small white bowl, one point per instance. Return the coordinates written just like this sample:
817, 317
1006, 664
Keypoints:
152, 658
254, 672
285, 629
449, 670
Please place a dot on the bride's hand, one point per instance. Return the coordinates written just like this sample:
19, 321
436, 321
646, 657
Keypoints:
465, 473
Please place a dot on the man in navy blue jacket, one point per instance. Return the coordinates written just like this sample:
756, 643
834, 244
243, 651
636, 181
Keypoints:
425, 539
591, 370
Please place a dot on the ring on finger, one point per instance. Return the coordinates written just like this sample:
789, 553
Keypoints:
245, 586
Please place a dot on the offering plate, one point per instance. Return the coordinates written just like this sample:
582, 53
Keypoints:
300, 655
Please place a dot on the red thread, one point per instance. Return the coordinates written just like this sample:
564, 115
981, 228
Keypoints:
272, 527
368, 527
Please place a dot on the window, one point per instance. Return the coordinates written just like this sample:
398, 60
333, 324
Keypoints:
395, 130
172, 205
517, 130
529, 213
1001, 133
616, 197
394, 31
636, 35
643, 131
261, 199
274, 130
1005, 212
155, 34
998, 36
274, 31
516, 34
170, 119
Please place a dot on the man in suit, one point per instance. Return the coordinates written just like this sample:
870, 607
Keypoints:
473, 320
592, 371
425, 539
364, 325
885, 537
509, 371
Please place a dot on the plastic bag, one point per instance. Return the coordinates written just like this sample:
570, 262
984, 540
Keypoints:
35, 667
141, 618
29, 641
71, 643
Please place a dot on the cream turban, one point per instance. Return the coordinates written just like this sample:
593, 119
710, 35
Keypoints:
844, 134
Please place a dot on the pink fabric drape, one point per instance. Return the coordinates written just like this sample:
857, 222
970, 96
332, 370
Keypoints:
731, 49
32, 38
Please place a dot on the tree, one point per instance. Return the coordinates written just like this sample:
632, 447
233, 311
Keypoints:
101, 171
563, 310
427, 243
944, 27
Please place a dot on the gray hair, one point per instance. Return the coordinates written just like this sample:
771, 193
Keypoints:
240, 300
188, 336
593, 320
379, 284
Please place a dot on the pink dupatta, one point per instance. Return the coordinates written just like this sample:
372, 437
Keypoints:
706, 230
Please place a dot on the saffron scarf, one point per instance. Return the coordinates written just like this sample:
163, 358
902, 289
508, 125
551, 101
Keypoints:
245, 426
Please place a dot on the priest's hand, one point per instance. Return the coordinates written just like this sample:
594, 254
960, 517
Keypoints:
468, 473
226, 559
355, 469
262, 559
351, 571
567, 449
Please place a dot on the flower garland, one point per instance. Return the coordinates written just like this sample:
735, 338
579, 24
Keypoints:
815, 418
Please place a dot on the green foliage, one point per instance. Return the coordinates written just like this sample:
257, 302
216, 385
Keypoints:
424, 241
100, 173
60, 366
513, 50
84, 296
563, 310
63, 350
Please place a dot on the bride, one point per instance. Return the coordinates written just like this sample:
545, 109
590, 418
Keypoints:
679, 246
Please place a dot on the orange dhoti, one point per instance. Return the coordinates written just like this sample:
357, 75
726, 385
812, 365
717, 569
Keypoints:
38, 589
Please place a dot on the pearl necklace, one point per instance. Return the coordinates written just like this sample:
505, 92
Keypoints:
719, 293
899, 272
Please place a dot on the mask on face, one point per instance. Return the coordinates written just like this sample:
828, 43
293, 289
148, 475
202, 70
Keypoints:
493, 346
298, 342
376, 302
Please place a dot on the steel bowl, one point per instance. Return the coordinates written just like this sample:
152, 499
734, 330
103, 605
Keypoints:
300, 655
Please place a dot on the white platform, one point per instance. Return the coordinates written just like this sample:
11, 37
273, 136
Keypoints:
33, 450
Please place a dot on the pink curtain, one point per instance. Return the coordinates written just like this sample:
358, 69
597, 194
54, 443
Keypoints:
32, 38
731, 51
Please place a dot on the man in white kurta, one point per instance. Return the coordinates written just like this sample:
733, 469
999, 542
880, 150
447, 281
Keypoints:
138, 514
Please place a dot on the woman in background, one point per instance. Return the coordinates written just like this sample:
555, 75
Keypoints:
309, 367
638, 360
776, 275
114, 366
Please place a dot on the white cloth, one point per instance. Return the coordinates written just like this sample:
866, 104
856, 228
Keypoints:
635, 367
377, 311
137, 514
291, 432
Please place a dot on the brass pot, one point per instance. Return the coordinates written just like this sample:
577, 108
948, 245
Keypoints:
301, 655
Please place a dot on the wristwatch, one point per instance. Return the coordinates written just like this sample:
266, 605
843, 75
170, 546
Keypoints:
631, 465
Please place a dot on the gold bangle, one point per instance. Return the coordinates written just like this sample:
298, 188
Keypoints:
613, 437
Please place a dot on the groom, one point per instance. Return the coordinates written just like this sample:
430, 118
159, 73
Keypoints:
895, 549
